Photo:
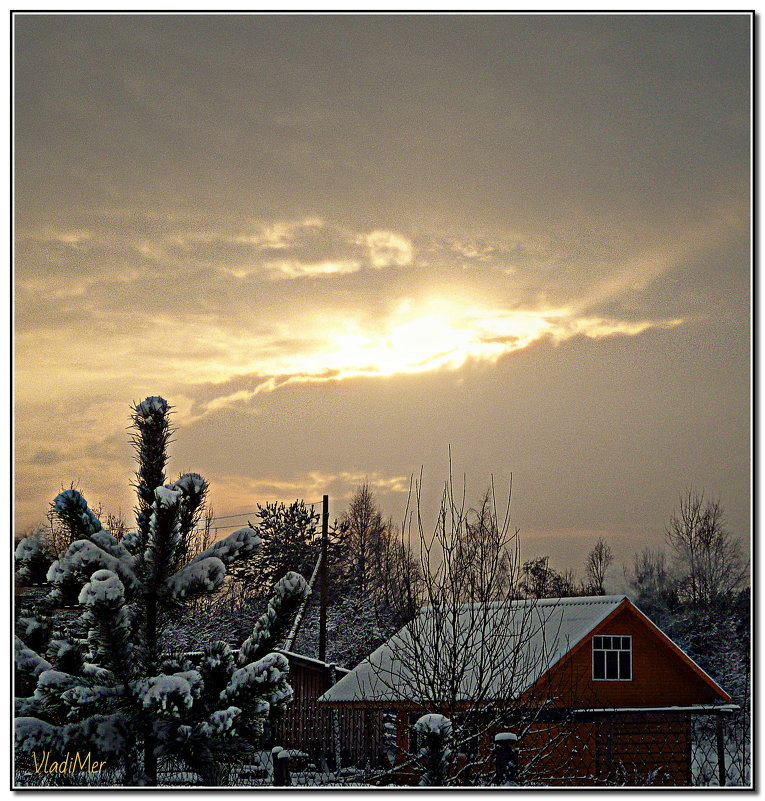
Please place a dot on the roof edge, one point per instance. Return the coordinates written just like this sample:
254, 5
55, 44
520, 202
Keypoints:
689, 661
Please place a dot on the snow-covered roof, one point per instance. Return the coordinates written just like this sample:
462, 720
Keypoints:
309, 660
503, 648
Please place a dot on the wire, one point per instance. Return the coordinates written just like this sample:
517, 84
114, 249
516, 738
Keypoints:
247, 514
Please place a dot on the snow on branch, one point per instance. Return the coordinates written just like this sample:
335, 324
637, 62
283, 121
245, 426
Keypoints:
222, 722
73, 511
242, 542
83, 558
103, 589
164, 533
266, 678
288, 593
28, 662
32, 734
102, 735
196, 578
166, 696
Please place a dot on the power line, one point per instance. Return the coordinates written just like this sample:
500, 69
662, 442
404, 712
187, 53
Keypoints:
247, 514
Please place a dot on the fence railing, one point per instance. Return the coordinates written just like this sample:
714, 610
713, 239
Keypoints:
594, 748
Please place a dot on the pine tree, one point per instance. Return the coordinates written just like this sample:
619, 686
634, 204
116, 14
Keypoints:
289, 543
120, 693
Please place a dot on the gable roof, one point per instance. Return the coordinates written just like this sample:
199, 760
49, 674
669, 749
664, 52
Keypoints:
478, 643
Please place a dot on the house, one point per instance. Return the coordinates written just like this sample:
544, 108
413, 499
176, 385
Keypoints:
595, 691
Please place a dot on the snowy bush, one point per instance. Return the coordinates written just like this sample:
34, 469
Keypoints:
433, 732
118, 691
33, 559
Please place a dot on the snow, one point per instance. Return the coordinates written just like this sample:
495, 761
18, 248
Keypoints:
270, 670
27, 661
131, 540
166, 695
104, 588
29, 548
32, 734
84, 558
167, 498
105, 734
197, 577
85, 696
97, 672
505, 736
194, 678
107, 542
25, 707
291, 584
434, 724
71, 505
153, 406
30, 626
222, 722
190, 484
242, 542
54, 682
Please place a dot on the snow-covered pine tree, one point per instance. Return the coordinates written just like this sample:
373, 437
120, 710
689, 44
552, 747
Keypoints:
33, 558
120, 693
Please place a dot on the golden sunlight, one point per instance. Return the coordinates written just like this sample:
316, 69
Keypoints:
418, 337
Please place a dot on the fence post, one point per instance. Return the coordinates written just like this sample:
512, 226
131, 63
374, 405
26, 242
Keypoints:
506, 753
721, 750
610, 749
281, 760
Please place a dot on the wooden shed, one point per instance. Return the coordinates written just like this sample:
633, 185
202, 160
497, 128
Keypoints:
606, 696
352, 736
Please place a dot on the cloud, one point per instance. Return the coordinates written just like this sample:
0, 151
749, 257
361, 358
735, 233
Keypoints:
387, 248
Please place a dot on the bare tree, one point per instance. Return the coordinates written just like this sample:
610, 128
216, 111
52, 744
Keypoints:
708, 559
539, 580
599, 559
474, 653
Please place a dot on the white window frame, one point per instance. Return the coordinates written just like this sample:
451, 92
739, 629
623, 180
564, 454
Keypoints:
614, 650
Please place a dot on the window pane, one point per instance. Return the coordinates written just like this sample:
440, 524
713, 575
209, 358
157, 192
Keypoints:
597, 642
612, 665
598, 665
624, 665
606, 642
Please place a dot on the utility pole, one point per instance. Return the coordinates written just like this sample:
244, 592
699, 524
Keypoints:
323, 572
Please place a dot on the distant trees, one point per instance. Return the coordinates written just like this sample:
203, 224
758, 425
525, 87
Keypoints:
365, 537
598, 561
708, 560
697, 592
539, 580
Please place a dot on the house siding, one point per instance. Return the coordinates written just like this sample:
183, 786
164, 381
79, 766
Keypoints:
660, 676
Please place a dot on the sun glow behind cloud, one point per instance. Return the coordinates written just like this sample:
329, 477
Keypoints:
418, 338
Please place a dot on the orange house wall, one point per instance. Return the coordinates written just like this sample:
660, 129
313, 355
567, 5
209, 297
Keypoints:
660, 677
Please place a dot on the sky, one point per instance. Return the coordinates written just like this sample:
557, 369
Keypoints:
345, 248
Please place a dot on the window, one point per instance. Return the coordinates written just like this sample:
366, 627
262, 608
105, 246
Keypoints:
612, 658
